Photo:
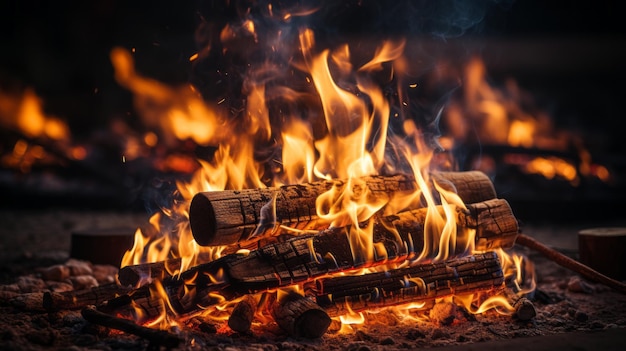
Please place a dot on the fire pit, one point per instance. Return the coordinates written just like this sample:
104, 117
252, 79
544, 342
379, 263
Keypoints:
309, 191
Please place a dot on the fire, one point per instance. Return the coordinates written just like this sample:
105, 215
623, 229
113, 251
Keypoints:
334, 124
499, 118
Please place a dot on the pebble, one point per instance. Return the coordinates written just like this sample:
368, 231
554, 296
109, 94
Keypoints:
581, 316
104, 273
28, 284
387, 341
84, 282
43, 337
357, 346
78, 267
576, 284
57, 273
414, 334
55, 286
439, 333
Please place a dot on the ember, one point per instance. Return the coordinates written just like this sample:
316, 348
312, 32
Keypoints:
313, 196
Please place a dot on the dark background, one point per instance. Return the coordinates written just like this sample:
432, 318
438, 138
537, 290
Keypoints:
62, 48
569, 54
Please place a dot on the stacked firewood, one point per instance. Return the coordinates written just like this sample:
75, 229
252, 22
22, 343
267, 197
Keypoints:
319, 259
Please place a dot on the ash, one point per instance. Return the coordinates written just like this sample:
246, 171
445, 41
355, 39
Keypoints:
571, 313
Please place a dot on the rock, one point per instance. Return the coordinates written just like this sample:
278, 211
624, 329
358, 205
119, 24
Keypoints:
581, 316
29, 284
55, 286
7, 295
576, 284
104, 273
84, 282
57, 273
387, 341
414, 334
439, 333
79, 267
43, 337
10, 288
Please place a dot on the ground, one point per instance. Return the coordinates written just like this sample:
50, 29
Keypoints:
570, 315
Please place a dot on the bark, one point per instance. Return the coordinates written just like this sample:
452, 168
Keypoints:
156, 337
604, 249
307, 257
300, 316
240, 319
232, 216
422, 282
77, 299
145, 272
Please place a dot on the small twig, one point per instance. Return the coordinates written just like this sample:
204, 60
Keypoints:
155, 336
570, 263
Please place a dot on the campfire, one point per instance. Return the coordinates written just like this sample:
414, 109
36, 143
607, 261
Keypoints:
327, 195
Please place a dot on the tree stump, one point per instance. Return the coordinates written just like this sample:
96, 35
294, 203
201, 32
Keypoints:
604, 249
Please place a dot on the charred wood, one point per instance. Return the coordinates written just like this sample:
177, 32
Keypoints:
307, 257
242, 316
299, 316
423, 282
156, 337
77, 299
232, 216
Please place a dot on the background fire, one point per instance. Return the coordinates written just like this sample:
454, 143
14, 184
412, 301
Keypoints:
150, 131
559, 72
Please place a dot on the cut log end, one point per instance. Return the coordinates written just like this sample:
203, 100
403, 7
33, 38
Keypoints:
203, 226
241, 318
524, 309
300, 316
604, 249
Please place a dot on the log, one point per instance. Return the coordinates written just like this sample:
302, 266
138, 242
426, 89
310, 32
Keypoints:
77, 299
240, 319
604, 249
493, 219
300, 316
524, 309
569, 263
102, 245
28, 301
307, 257
136, 274
232, 216
156, 337
422, 282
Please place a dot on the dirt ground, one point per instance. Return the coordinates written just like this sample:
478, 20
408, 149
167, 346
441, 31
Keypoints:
570, 315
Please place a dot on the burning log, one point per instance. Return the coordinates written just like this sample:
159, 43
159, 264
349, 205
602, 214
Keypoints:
300, 316
524, 309
465, 275
493, 220
77, 299
133, 275
156, 337
232, 216
307, 257
241, 318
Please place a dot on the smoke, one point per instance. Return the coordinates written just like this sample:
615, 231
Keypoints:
239, 38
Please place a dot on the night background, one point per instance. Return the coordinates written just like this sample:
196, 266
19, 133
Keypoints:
569, 54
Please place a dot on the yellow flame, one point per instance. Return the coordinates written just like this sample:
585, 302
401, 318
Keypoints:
351, 143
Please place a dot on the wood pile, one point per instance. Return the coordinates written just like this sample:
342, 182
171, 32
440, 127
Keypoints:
321, 261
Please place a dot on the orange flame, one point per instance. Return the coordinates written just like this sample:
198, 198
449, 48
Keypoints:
353, 143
